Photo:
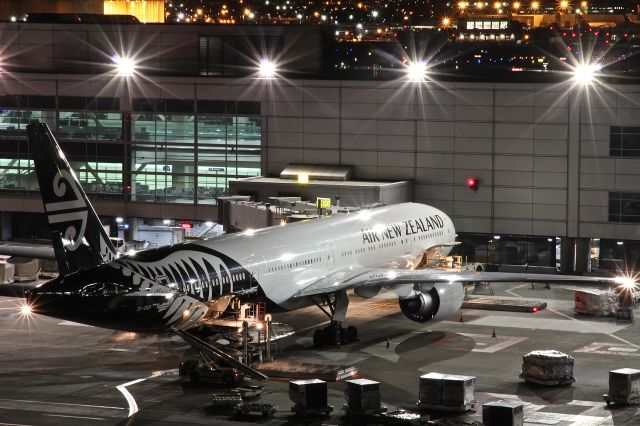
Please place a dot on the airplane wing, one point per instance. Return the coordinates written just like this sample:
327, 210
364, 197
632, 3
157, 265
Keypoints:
355, 277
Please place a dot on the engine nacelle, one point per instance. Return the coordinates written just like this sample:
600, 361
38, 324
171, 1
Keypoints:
435, 304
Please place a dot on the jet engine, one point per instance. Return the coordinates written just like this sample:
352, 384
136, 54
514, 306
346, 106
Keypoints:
435, 304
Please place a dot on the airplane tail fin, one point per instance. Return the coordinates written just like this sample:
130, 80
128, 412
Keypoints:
78, 236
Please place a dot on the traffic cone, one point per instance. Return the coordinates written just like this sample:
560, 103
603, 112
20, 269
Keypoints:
494, 332
461, 319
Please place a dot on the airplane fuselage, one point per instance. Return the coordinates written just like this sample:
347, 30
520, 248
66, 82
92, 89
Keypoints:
175, 285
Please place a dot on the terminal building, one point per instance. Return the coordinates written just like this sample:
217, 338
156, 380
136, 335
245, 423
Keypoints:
555, 163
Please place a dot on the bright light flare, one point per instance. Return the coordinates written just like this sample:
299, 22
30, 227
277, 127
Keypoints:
586, 73
626, 282
125, 66
417, 71
267, 69
303, 178
26, 310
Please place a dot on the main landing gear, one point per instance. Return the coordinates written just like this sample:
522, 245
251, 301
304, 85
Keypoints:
335, 307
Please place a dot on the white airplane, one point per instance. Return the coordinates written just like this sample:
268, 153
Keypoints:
293, 266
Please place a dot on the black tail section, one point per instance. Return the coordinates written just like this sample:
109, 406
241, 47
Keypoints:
73, 223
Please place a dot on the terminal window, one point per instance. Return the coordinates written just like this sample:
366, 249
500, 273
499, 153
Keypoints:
624, 207
624, 141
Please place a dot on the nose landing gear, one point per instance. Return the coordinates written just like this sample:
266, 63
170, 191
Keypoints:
334, 334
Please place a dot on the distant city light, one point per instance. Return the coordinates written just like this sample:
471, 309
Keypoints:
374, 13
267, 69
166, 222
417, 71
125, 66
119, 220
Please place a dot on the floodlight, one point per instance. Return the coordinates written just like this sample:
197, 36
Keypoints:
25, 310
266, 69
125, 66
585, 73
417, 71
626, 282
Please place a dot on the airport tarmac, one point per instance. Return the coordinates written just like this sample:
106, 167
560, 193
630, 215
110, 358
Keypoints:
57, 372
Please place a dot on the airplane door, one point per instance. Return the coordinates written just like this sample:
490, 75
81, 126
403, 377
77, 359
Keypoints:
254, 263
327, 251
408, 244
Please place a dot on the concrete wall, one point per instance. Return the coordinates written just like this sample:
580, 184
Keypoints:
541, 152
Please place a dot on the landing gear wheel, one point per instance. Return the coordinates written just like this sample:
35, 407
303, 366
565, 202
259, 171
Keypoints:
318, 338
352, 332
337, 338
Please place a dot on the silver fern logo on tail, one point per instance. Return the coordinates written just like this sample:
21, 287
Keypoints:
72, 212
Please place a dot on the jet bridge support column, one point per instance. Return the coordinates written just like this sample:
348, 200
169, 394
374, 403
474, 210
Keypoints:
583, 255
567, 254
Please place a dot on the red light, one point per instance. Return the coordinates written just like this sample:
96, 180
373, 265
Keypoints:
472, 183
535, 309
186, 225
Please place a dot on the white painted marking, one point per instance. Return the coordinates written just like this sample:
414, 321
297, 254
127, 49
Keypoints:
61, 403
501, 342
618, 349
131, 401
585, 323
547, 324
74, 417
13, 424
74, 323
